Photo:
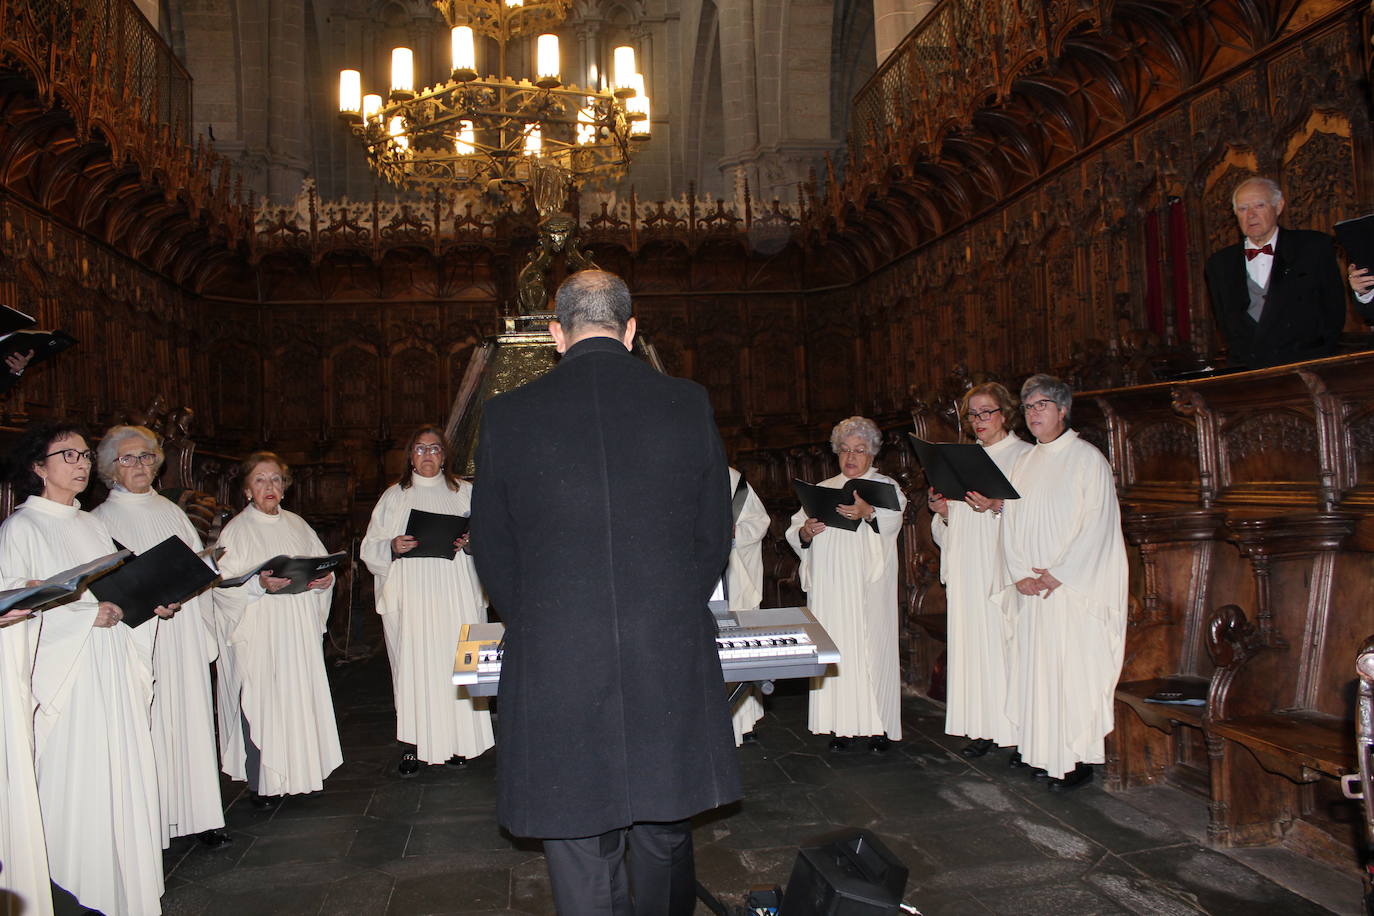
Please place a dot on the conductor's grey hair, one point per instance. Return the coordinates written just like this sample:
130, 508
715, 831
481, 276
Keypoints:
593, 299
1269, 184
107, 454
856, 426
1047, 386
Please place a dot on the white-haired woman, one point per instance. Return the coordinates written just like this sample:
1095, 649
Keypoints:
128, 460
850, 578
276, 714
1064, 592
91, 686
424, 602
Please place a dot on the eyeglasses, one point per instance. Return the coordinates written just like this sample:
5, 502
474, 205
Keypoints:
147, 459
1038, 406
982, 415
432, 449
846, 450
71, 455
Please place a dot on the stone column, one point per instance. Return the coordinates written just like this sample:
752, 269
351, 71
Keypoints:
893, 20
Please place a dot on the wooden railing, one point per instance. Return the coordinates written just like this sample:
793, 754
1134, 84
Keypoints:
106, 47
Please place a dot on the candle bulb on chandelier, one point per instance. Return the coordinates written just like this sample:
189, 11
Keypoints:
624, 71
350, 92
372, 106
638, 106
534, 140
402, 73
397, 129
464, 51
465, 144
546, 62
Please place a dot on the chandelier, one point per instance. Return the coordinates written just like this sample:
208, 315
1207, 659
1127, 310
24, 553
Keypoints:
491, 131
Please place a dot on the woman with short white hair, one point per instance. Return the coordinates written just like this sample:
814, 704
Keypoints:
128, 460
1063, 592
850, 578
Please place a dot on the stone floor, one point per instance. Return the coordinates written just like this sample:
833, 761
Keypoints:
977, 837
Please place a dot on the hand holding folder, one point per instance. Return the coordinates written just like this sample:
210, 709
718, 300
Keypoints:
435, 534
165, 574
821, 503
301, 571
957, 468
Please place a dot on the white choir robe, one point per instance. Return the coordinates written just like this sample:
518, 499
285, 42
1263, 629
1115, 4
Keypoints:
850, 580
971, 569
24, 885
1065, 650
97, 779
183, 714
271, 665
424, 602
744, 582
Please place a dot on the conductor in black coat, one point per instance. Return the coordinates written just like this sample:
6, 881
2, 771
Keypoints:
1278, 295
601, 523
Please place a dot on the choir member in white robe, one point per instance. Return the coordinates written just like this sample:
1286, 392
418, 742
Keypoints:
424, 602
1065, 592
966, 527
24, 889
744, 582
128, 459
276, 714
92, 683
850, 579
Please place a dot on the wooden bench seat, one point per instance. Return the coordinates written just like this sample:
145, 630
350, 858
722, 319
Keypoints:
1162, 716
1298, 745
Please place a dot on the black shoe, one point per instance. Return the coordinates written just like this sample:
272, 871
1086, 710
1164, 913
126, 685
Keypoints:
976, 748
263, 802
456, 761
879, 744
748, 738
214, 839
840, 744
409, 766
1082, 775
1016, 762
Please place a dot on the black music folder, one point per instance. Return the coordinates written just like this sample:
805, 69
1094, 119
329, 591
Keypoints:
820, 502
436, 532
1357, 238
44, 344
956, 468
11, 320
165, 573
67, 584
300, 570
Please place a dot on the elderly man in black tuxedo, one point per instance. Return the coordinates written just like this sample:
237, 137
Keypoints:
1278, 295
601, 522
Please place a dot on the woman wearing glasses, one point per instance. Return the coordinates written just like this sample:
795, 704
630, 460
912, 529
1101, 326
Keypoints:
128, 460
850, 578
92, 685
1064, 592
966, 527
276, 715
424, 602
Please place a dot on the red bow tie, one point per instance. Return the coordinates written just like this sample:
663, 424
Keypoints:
1250, 253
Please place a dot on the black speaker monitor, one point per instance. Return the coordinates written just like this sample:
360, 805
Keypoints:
850, 873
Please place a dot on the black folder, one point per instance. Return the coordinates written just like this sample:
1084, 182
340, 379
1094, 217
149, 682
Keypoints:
44, 344
1357, 238
300, 570
67, 584
436, 532
820, 502
11, 320
165, 573
956, 468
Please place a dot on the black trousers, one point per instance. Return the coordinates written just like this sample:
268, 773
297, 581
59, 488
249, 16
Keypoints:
645, 869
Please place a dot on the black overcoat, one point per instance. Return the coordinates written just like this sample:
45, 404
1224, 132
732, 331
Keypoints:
1305, 309
600, 524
